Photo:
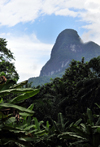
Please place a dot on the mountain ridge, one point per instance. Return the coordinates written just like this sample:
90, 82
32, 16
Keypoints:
68, 46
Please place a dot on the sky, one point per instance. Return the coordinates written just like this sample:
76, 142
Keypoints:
31, 27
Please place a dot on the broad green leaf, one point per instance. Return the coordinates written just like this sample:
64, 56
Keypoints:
60, 120
79, 131
28, 128
37, 123
26, 139
98, 121
21, 127
19, 90
1, 100
24, 96
89, 113
80, 142
24, 114
83, 127
10, 120
78, 122
97, 105
70, 134
47, 124
31, 107
6, 105
97, 129
56, 126
40, 133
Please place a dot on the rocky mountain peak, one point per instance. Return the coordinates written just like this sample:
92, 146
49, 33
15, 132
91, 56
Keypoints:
68, 35
68, 46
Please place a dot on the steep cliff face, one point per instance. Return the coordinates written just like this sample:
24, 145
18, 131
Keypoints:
68, 46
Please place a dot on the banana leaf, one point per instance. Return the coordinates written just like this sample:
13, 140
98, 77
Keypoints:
18, 90
24, 96
21, 109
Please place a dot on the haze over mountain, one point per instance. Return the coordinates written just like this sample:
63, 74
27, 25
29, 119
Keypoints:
68, 46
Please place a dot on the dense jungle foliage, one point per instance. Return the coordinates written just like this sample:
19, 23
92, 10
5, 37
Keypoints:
6, 65
62, 113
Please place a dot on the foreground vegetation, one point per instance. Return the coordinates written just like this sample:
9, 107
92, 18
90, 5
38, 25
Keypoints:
62, 113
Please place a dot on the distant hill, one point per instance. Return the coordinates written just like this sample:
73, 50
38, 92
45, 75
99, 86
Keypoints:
68, 46
41, 80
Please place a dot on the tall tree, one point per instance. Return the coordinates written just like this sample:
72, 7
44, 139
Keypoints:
7, 68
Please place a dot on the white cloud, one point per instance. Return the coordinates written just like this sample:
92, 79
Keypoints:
91, 16
15, 11
30, 54
65, 12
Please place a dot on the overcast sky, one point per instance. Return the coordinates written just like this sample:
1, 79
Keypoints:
32, 26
